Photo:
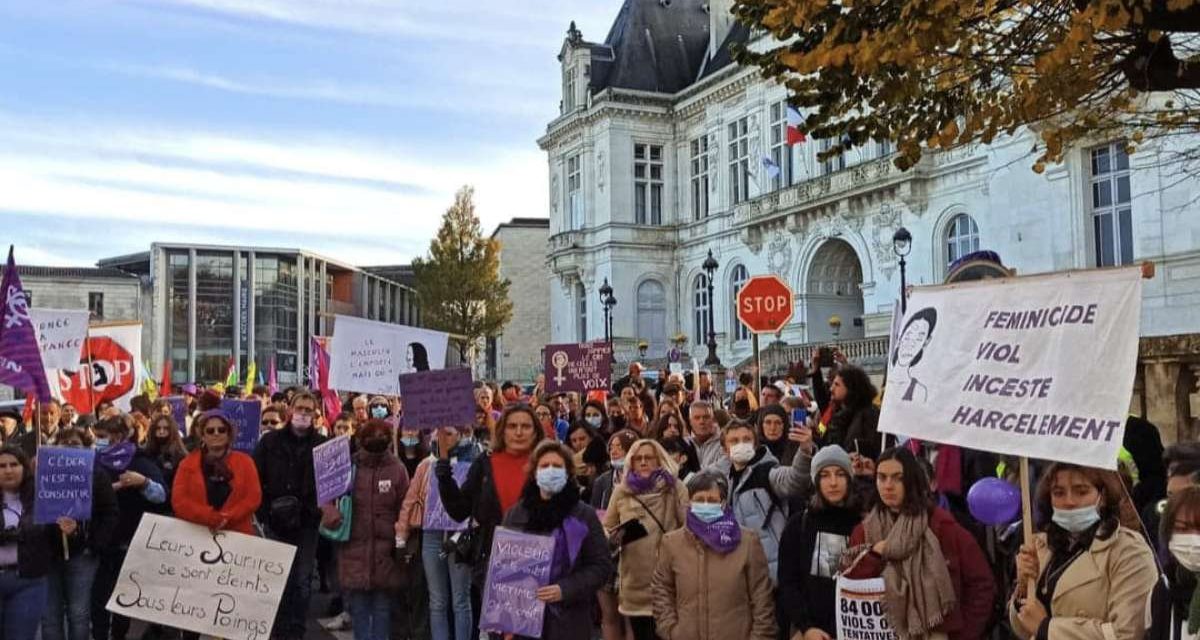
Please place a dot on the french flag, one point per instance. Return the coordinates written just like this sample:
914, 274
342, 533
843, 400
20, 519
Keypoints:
795, 134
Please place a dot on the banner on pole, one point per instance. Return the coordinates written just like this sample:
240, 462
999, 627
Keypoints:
221, 584
332, 469
115, 352
436, 518
1039, 366
518, 566
369, 356
581, 367
435, 399
63, 484
61, 333
861, 610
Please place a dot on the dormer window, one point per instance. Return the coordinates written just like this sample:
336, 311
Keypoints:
569, 89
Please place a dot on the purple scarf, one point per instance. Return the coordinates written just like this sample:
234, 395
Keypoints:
640, 485
723, 535
568, 540
116, 457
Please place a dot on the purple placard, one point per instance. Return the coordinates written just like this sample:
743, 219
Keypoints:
63, 484
179, 412
246, 416
582, 367
519, 565
436, 518
442, 398
332, 469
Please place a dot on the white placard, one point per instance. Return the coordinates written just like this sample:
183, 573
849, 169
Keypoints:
60, 333
368, 356
182, 575
861, 610
1039, 366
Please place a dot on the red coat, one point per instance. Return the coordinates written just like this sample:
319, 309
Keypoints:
974, 584
189, 496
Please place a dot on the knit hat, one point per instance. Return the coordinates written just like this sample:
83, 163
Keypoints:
774, 410
831, 455
220, 415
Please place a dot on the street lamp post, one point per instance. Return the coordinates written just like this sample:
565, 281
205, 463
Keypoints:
608, 302
710, 267
902, 245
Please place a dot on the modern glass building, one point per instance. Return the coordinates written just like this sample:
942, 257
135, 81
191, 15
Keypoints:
203, 304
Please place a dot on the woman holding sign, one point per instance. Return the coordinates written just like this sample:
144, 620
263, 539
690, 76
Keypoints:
25, 549
550, 505
1092, 566
216, 486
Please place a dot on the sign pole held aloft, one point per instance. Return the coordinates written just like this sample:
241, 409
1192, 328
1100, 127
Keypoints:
1027, 518
757, 369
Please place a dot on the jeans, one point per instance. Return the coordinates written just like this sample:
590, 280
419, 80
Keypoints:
449, 581
69, 598
107, 572
293, 605
23, 600
370, 613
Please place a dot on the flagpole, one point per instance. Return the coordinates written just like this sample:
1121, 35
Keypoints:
87, 345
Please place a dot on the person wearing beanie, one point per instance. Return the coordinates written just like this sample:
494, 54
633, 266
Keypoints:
215, 485
812, 546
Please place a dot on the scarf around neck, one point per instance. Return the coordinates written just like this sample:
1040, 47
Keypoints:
116, 457
722, 535
917, 583
639, 485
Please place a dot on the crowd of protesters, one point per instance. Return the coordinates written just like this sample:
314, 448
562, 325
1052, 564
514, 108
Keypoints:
678, 510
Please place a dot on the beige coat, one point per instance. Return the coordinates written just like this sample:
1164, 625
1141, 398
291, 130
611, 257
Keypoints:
702, 595
1102, 595
637, 559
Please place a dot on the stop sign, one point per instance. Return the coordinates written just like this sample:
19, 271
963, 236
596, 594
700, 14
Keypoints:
764, 304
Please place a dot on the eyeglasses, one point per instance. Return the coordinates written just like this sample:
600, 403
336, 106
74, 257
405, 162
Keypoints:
305, 410
645, 458
216, 431
271, 423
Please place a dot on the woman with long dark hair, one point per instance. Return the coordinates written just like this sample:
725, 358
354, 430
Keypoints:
854, 425
937, 580
25, 549
164, 443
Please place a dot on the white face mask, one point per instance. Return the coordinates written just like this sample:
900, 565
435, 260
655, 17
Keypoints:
741, 452
1186, 549
1077, 520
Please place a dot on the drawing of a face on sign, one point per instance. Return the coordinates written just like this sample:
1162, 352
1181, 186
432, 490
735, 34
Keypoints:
910, 348
416, 357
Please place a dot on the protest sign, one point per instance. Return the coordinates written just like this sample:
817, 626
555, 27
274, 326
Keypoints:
518, 566
246, 416
221, 584
578, 367
60, 334
861, 610
63, 484
114, 351
436, 518
178, 411
368, 356
1040, 366
434, 399
332, 469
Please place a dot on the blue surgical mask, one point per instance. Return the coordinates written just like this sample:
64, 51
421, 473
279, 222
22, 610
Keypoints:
595, 421
101, 443
410, 441
551, 479
379, 413
707, 511
1077, 520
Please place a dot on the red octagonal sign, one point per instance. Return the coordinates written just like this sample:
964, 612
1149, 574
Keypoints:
764, 304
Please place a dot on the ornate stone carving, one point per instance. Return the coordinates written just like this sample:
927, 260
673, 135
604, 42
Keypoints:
554, 192
779, 253
601, 170
883, 225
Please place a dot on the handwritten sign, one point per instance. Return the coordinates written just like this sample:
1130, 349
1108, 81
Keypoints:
178, 411
223, 584
436, 399
368, 356
1040, 366
861, 610
436, 518
332, 469
63, 484
246, 416
518, 566
60, 334
578, 367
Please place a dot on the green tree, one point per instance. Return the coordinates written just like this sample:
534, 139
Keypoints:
932, 74
458, 284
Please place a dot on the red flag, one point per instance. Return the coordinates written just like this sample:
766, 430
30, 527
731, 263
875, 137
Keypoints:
166, 379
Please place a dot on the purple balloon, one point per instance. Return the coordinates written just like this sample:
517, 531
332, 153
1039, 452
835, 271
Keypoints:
994, 502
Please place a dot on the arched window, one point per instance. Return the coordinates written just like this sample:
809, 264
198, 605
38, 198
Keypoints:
700, 304
737, 278
962, 237
652, 315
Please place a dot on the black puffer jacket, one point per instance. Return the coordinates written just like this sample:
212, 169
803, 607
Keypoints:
285, 468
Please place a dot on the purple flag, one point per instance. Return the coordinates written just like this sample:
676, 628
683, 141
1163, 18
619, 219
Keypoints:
20, 356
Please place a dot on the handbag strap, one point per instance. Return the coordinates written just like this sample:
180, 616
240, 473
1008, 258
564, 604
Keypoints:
656, 520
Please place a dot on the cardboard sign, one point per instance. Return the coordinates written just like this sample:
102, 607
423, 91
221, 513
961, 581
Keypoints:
435, 399
861, 610
518, 566
179, 412
246, 416
63, 484
581, 367
1040, 366
436, 518
222, 584
332, 469
368, 356
60, 334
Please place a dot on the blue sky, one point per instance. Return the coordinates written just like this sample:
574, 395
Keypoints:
339, 126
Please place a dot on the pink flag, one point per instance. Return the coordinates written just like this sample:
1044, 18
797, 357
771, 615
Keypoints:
20, 356
320, 363
272, 383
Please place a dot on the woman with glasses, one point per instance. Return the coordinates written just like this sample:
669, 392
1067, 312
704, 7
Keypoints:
217, 486
272, 419
545, 420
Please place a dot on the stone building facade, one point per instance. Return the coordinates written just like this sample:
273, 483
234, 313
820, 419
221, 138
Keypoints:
516, 354
109, 294
665, 149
